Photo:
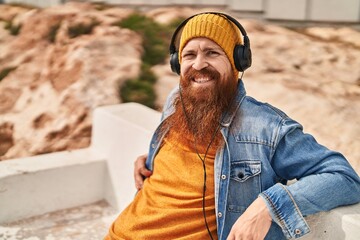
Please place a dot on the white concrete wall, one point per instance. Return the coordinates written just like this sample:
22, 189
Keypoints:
39, 3
286, 9
294, 10
246, 5
36, 185
313, 10
334, 10
122, 133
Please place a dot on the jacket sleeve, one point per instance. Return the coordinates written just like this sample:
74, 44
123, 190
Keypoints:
325, 180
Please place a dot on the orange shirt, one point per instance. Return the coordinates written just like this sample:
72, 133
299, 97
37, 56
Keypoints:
169, 206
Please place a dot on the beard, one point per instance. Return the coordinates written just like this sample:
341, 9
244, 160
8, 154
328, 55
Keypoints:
198, 110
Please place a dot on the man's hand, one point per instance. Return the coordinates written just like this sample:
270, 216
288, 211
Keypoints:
253, 224
140, 171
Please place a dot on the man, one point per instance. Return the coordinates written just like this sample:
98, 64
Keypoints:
219, 161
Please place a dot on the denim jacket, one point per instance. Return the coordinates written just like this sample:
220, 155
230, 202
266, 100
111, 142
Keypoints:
263, 149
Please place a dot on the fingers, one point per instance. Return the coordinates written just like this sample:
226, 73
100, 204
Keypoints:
231, 236
140, 171
253, 224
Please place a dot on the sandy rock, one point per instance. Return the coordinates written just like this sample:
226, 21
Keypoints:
4, 36
50, 95
166, 81
344, 35
166, 15
7, 12
6, 137
8, 98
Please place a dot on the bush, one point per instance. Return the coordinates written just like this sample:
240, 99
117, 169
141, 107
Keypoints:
52, 32
81, 28
4, 72
147, 74
153, 34
101, 6
13, 29
138, 91
156, 39
174, 24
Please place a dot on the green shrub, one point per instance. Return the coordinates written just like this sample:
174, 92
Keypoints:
52, 32
156, 39
4, 72
138, 91
81, 28
174, 24
101, 6
153, 34
13, 29
147, 74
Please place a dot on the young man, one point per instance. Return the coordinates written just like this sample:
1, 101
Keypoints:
219, 161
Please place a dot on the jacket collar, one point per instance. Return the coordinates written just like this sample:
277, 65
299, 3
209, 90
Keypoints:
229, 115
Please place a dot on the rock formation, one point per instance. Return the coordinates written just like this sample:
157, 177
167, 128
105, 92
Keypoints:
56, 80
46, 102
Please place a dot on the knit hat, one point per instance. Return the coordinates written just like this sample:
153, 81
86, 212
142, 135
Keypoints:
216, 28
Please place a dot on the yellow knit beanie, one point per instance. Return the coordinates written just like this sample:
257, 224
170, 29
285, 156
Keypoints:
215, 27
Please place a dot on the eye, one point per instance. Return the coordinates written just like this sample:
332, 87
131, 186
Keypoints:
188, 55
213, 53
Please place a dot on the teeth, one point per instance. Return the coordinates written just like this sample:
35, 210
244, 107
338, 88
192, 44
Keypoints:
201, 80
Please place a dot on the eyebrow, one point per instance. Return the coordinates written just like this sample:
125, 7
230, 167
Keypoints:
212, 48
206, 49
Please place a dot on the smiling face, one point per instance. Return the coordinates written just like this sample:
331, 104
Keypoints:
208, 79
204, 64
208, 88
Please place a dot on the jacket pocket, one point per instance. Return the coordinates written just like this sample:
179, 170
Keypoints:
243, 170
245, 184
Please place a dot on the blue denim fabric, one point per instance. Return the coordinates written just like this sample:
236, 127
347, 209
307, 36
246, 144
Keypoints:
264, 149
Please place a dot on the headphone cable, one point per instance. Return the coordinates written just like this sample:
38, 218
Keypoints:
206, 152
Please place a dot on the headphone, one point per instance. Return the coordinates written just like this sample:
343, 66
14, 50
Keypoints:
241, 55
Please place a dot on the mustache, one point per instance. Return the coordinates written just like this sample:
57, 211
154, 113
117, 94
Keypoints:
205, 72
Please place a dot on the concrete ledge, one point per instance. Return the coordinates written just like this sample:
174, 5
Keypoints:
340, 223
35, 185
122, 133
50, 182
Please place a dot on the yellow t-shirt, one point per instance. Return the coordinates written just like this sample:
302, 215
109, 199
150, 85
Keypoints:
169, 206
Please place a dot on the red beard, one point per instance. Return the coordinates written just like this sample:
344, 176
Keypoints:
203, 108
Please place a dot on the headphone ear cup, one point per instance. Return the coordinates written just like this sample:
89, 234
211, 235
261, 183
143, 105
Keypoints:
174, 63
242, 57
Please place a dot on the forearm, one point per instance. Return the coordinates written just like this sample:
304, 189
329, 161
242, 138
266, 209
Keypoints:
325, 180
320, 192
284, 211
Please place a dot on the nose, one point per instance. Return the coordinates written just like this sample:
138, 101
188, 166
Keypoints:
200, 62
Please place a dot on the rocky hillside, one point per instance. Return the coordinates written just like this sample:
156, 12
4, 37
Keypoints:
51, 79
